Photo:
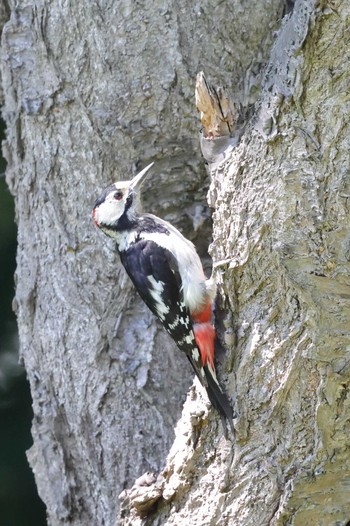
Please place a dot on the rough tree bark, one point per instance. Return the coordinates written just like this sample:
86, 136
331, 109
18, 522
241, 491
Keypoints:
93, 89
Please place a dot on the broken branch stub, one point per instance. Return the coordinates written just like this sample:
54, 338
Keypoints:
218, 112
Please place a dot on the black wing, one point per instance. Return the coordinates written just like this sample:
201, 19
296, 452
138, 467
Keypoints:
155, 274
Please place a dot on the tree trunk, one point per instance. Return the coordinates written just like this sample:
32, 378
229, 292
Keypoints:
91, 91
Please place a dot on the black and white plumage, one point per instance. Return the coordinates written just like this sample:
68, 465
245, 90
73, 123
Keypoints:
167, 272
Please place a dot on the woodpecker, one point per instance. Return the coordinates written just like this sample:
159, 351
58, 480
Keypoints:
167, 273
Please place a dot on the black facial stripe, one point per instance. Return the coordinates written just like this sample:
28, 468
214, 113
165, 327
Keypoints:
124, 223
128, 202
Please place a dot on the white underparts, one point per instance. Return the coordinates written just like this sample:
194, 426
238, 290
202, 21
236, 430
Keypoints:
124, 238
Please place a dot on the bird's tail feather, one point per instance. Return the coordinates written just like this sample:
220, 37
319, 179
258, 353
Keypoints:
217, 396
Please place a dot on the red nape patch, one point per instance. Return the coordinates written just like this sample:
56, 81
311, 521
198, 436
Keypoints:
203, 315
94, 213
205, 336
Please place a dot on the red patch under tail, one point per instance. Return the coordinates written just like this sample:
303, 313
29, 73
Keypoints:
204, 315
94, 213
205, 336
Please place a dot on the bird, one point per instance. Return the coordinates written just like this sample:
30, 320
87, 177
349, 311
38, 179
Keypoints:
167, 273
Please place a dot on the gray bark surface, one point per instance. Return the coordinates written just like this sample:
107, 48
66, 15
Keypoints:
91, 91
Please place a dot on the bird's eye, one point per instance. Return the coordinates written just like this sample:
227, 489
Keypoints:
118, 196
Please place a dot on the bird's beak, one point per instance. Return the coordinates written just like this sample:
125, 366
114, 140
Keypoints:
139, 178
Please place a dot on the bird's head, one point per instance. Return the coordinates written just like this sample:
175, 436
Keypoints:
117, 206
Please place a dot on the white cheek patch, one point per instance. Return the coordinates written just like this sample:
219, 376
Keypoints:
109, 211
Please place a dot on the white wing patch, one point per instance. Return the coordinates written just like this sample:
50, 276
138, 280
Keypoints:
195, 354
156, 293
197, 360
180, 321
